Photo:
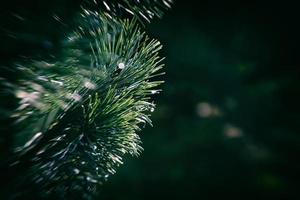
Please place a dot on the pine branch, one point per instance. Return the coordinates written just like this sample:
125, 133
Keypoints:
142, 9
82, 113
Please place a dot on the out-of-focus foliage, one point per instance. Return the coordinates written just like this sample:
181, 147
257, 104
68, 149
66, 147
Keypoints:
227, 123
143, 9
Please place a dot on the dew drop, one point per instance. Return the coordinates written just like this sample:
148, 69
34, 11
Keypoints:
89, 85
121, 65
76, 96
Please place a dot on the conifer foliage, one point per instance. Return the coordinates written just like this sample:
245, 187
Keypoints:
80, 111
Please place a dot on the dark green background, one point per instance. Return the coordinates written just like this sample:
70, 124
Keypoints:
242, 59
237, 60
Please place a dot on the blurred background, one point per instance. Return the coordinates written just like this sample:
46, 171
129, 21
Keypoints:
227, 121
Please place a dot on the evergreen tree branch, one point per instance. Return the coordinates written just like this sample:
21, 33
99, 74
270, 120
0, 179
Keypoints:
80, 115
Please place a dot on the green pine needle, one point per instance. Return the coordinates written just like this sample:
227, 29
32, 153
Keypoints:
143, 10
80, 115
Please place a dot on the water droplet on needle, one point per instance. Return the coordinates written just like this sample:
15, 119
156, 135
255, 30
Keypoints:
121, 65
